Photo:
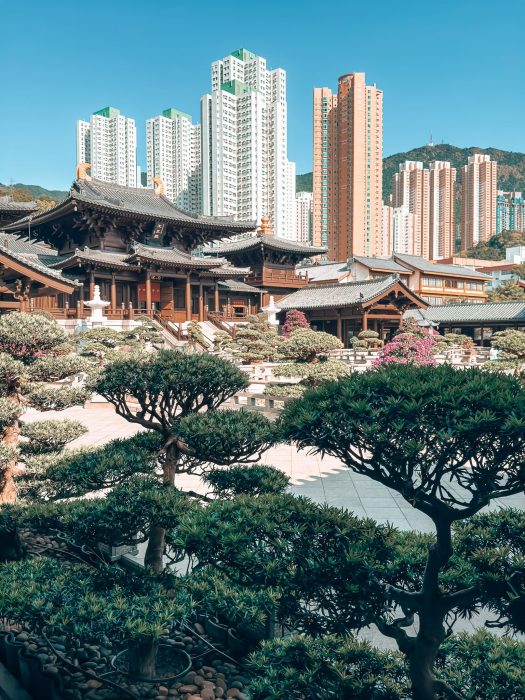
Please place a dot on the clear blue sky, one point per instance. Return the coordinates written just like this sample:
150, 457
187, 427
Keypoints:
456, 67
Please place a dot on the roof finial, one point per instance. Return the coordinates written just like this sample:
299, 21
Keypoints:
159, 186
82, 169
265, 227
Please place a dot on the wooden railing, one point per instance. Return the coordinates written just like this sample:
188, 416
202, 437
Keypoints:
216, 317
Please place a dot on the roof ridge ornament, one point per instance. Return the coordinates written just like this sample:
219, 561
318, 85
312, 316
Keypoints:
265, 228
82, 169
159, 188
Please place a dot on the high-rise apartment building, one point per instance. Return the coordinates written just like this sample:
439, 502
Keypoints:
245, 169
303, 209
510, 211
478, 202
109, 142
429, 195
348, 166
404, 230
442, 204
173, 149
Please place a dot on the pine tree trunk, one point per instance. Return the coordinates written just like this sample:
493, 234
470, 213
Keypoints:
143, 659
8, 493
154, 557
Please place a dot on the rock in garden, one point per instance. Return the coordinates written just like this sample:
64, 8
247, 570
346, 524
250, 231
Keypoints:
188, 688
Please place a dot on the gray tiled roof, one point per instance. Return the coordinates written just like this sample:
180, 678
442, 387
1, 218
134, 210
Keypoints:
94, 256
381, 264
491, 313
22, 245
7, 204
333, 271
238, 286
268, 240
337, 295
36, 263
426, 266
172, 255
144, 201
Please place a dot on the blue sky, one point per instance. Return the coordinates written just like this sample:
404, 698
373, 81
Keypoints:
453, 67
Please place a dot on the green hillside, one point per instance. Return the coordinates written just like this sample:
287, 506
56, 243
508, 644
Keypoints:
34, 190
511, 165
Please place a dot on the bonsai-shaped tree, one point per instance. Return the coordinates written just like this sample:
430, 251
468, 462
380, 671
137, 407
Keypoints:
509, 290
311, 374
256, 341
294, 319
306, 345
511, 344
366, 340
449, 442
177, 395
34, 353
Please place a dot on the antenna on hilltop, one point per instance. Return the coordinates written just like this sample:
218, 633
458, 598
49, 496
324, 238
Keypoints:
430, 142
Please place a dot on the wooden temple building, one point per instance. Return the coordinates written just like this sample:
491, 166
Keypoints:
146, 255
10, 210
346, 309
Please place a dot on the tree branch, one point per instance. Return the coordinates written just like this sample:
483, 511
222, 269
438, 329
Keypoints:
465, 597
444, 688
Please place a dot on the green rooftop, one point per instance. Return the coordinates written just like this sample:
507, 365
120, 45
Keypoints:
172, 113
236, 87
243, 54
108, 112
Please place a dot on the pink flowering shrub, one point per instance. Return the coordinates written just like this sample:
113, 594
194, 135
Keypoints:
294, 320
408, 349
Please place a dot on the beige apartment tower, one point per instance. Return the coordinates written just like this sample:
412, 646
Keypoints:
478, 202
348, 168
442, 201
410, 187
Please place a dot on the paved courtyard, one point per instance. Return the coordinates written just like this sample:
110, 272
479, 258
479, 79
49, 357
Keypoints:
324, 480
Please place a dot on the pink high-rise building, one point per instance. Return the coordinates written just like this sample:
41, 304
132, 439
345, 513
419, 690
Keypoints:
348, 167
478, 202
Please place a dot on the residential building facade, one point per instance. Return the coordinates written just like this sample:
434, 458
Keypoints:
478, 202
442, 210
109, 142
303, 217
173, 152
245, 169
510, 211
347, 169
410, 189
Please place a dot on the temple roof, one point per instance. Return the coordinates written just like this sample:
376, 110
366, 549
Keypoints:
142, 203
491, 312
388, 264
267, 240
22, 245
238, 286
35, 267
101, 258
7, 204
172, 256
341, 295
419, 263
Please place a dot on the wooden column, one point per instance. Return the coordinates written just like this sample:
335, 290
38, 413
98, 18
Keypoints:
365, 321
91, 284
188, 297
113, 294
148, 292
80, 305
339, 326
216, 297
201, 302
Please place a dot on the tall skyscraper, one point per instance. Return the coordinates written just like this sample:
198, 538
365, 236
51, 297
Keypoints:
478, 203
245, 169
510, 211
442, 203
348, 166
173, 148
303, 208
410, 188
429, 195
109, 142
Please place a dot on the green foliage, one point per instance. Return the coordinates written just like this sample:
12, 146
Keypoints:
291, 391
224, 437
494, 248
54, 368
324, 563
238, 480
168, 386
507, 291
330, 668
456, 340
435, 421
107, 337
257, 340
88, 605
24, 336
196, 335
50, 435
511, 343
47, 398
9, 412
11, 373
77, 472
314, 374
306, 345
